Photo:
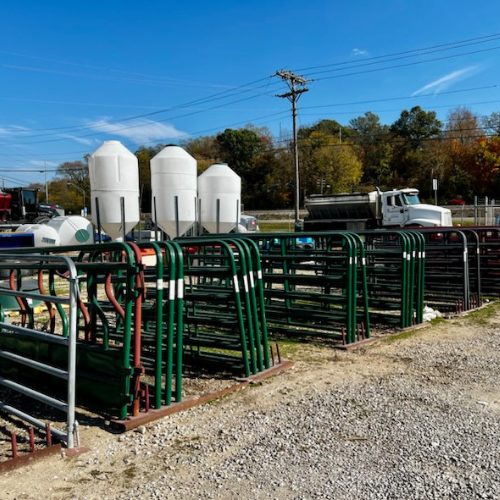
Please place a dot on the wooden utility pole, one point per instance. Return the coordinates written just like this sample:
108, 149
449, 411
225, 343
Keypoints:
296, 85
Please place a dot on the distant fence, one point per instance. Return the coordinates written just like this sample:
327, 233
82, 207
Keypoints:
484, 213
480, 214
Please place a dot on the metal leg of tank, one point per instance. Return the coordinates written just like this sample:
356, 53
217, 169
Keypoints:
177, 336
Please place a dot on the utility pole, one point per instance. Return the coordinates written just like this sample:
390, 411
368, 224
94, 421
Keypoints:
46, 185
296, 85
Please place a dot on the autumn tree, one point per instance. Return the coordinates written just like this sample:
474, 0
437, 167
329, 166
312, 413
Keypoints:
74, 171
459, 152
204, 149
486, 176
491, 123
328, 164
71, 177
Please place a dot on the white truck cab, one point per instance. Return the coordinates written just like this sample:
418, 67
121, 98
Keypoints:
402, 207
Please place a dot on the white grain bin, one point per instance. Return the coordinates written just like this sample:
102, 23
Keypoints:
44, 235
173, 188
114, 174
219, 194
73, 230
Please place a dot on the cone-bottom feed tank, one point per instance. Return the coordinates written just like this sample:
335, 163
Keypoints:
114, 175
173, 190
219, 194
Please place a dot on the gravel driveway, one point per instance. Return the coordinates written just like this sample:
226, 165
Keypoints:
413, 418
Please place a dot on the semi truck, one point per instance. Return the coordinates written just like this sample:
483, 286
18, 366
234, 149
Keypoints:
20, 205
376, 209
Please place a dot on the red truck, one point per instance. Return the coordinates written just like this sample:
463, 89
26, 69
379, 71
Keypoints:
20, 205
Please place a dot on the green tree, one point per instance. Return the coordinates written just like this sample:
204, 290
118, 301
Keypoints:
325, 127
238, 148
328, 164
374, 149
144, 155
242, 150
416, 126
339, 166
413, 134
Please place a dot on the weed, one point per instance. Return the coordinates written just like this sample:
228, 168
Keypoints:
483, 315
130, 473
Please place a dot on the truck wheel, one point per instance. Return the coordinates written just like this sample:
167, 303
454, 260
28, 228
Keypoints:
43, 219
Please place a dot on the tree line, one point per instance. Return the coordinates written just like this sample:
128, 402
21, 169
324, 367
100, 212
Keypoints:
463, 153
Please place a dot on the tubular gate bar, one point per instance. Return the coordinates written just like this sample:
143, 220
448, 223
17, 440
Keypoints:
15, 332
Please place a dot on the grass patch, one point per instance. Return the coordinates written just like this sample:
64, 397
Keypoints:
400, 336
484, 315
276, 227
437, 321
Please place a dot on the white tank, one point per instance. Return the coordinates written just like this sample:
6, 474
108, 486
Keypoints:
114, 173
219, 187
173, 174
73, 230
44, 235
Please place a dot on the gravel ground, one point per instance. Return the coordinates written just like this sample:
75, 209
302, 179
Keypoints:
414, 418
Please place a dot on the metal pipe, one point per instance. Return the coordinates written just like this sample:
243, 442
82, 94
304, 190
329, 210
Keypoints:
13, 439
31, 433
43, 398
176, 204
98, 219
31, 420
217, 216
155, 219
122, 213
56, 372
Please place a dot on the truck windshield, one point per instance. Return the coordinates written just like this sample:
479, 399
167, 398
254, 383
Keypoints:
29, 198
411, 199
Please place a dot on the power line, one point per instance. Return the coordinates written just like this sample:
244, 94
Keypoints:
483, 39
415, 63
231, 92
215, 97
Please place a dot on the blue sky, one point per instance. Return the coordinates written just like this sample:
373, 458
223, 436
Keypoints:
73, 74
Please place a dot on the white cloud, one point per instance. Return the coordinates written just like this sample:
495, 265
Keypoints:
140, 130
41, 163
81, 140
359, 52
11, 130
448, 80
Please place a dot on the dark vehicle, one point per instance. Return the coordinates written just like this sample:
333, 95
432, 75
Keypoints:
52, 208
20, 205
